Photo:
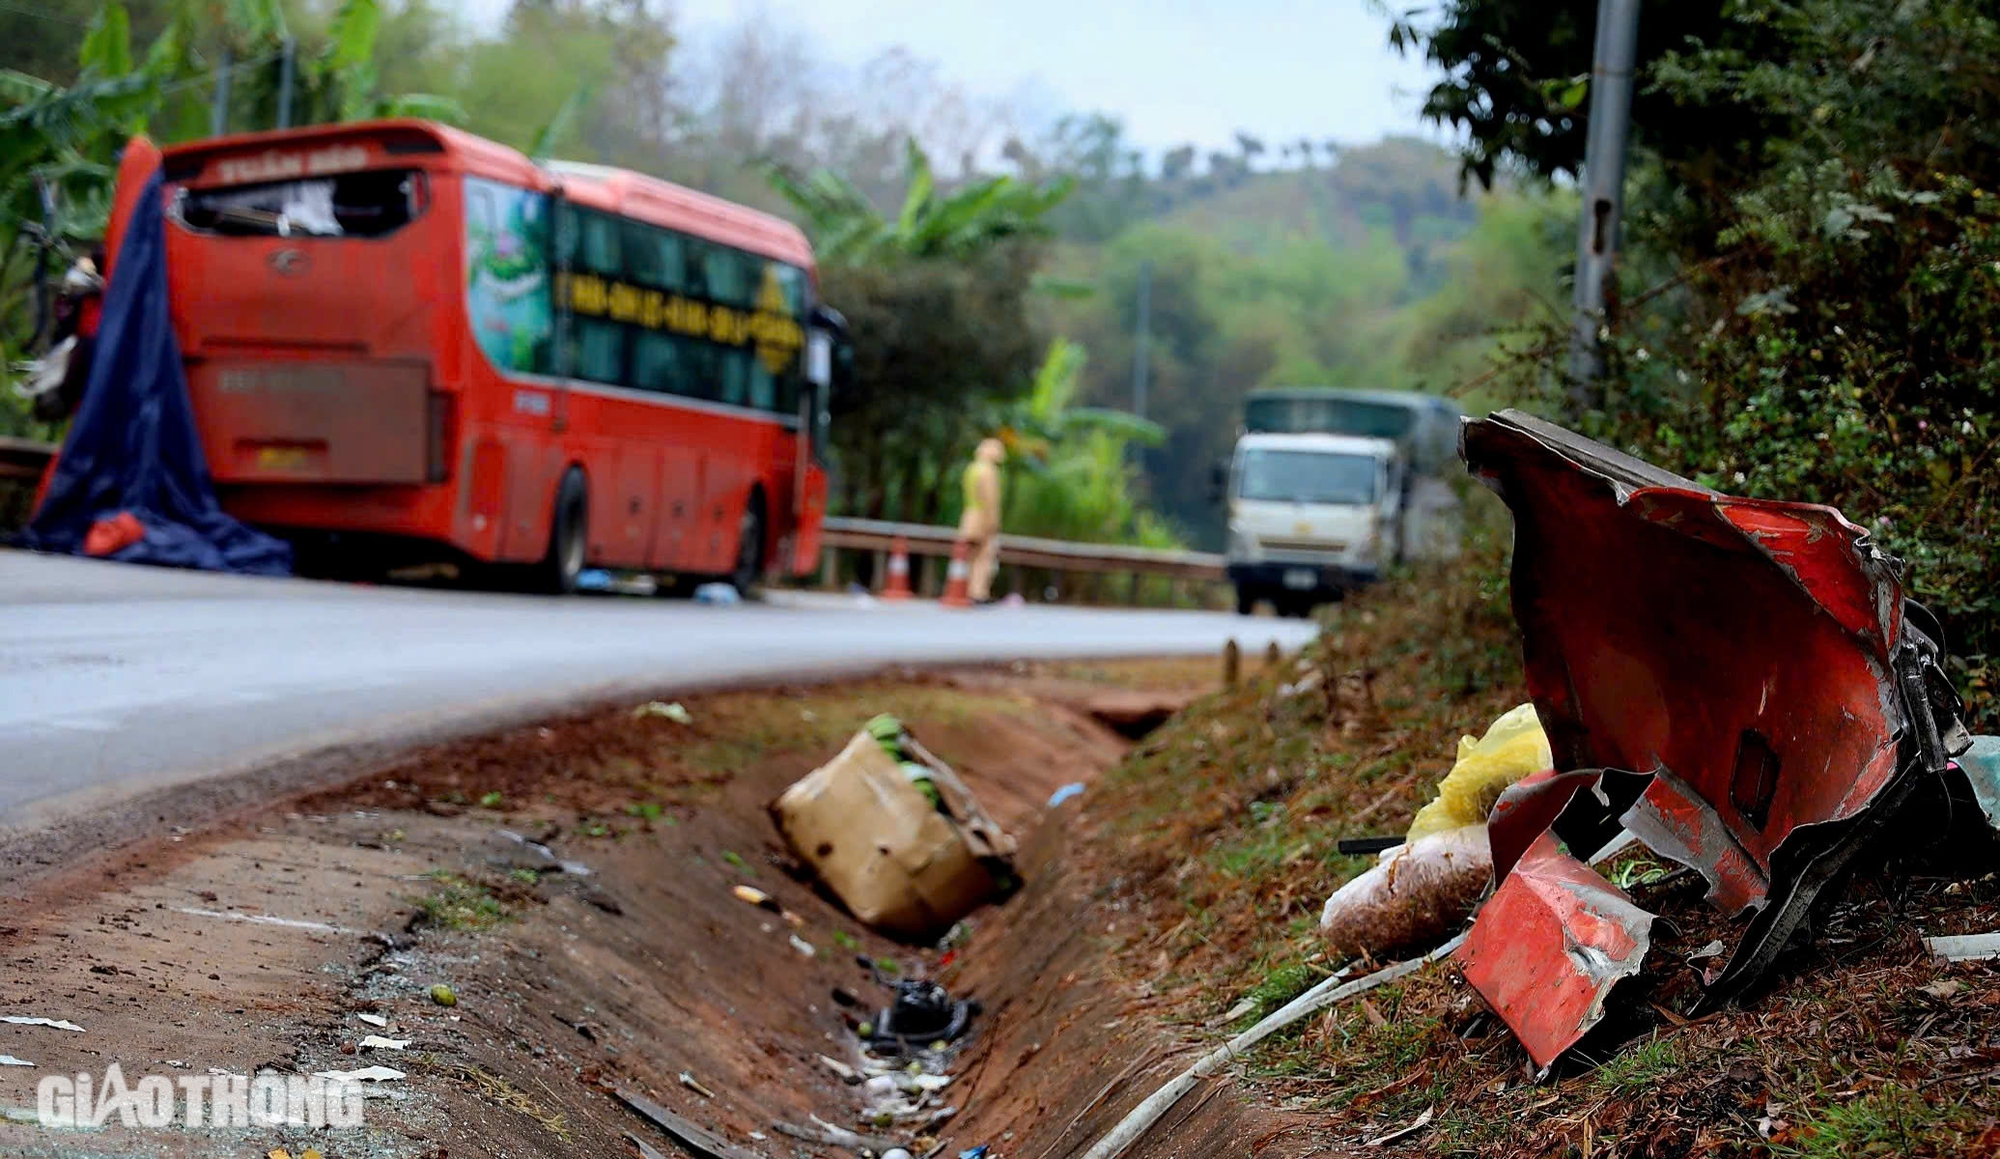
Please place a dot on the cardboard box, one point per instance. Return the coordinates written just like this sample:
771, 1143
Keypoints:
899, 864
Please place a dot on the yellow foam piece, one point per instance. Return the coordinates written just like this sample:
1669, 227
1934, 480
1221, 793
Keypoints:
1513, 747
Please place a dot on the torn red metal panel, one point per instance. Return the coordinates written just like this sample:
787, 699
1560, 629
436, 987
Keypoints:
1731, 662
1739, 647
1549, 946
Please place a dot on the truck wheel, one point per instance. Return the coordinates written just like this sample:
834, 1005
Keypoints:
569, 538
1246, 599
749, 546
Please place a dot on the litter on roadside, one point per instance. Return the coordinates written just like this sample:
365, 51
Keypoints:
1073, 789
10, 1060
377, 1042
444, 995
1423, 888
688, 1081
375, 1020
895, 835
923, 1013
756, 897
806, 949
1739, 684
56, 1023
721, 595
1965, 947
654, 708
367, 1074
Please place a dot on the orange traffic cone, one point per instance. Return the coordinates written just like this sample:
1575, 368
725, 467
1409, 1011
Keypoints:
957, 578
897, 586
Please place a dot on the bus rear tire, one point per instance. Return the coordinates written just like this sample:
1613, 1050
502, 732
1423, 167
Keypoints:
569, 539
749, 546
1246, 599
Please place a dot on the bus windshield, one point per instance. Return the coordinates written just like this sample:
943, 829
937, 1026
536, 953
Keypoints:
366, 204
1331, 415
1308, 477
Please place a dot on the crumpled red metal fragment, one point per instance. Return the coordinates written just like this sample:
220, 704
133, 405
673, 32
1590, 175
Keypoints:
1729, 661
1599, 936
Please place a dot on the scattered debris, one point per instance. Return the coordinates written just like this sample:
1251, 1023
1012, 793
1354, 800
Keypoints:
58, 1024
805, 948
375, 1020
10, 1060
1073, 789
367, 1074
1241, 1009
847, 1074
674, 712
1965, 947
444, 995
1418, 1124
692, 1139
826, 1134
264, 920
1421, 890
547, 861
721, 595
377, 1042
688, 1081
923, 1013
1722, 609
900, 861
756, 897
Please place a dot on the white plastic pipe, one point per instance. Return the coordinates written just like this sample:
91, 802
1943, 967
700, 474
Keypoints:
1143, 1116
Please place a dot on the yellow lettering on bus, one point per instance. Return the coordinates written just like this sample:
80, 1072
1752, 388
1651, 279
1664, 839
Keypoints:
624, 302
652, 309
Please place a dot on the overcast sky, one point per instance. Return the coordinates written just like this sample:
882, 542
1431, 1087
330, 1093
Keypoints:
1173, 70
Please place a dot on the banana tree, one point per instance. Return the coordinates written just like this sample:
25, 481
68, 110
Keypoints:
957, 225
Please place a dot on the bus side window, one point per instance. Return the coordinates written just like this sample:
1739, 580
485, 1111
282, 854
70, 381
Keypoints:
694, 267
656, 362
598, 350
653, 256
600, 245
727, 272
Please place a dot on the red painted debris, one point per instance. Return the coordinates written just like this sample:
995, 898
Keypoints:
1552, 899
1733, 662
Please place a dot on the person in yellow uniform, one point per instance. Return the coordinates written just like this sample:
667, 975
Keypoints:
980, 525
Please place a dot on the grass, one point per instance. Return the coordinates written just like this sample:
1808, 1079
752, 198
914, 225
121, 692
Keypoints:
460, 904
1892, 1121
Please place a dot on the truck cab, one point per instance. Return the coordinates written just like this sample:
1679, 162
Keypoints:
1311, 516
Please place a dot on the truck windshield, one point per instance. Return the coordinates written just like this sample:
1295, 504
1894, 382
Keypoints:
1307, 477
1330, 414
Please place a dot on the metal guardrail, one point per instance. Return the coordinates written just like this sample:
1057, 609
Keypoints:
1026, 551
27, 459
24, 458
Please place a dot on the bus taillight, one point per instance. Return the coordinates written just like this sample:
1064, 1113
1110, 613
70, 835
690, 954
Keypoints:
443, 429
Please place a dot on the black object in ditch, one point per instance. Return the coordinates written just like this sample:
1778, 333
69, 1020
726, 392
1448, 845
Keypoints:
923, 1013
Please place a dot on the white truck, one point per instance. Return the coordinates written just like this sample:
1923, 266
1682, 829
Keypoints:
1311, 516
1329, 488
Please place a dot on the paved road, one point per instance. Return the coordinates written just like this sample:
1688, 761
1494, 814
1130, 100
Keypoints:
117, 679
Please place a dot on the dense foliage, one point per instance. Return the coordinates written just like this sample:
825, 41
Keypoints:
1816, 319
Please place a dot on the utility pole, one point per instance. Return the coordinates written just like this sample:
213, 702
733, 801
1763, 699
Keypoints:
1603, 189
1140, 362
218, 117
286, 68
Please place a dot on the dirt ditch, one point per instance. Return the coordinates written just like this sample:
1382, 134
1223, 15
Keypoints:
618, 960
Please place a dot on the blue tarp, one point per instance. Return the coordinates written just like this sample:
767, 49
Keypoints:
133, 446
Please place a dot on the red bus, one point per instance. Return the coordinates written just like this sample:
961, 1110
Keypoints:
408, 344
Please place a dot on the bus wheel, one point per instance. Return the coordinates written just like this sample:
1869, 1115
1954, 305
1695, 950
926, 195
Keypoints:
749, 546
1246, 599
569, 537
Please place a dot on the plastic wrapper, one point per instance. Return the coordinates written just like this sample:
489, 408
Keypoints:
1513, 747
1415, 895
